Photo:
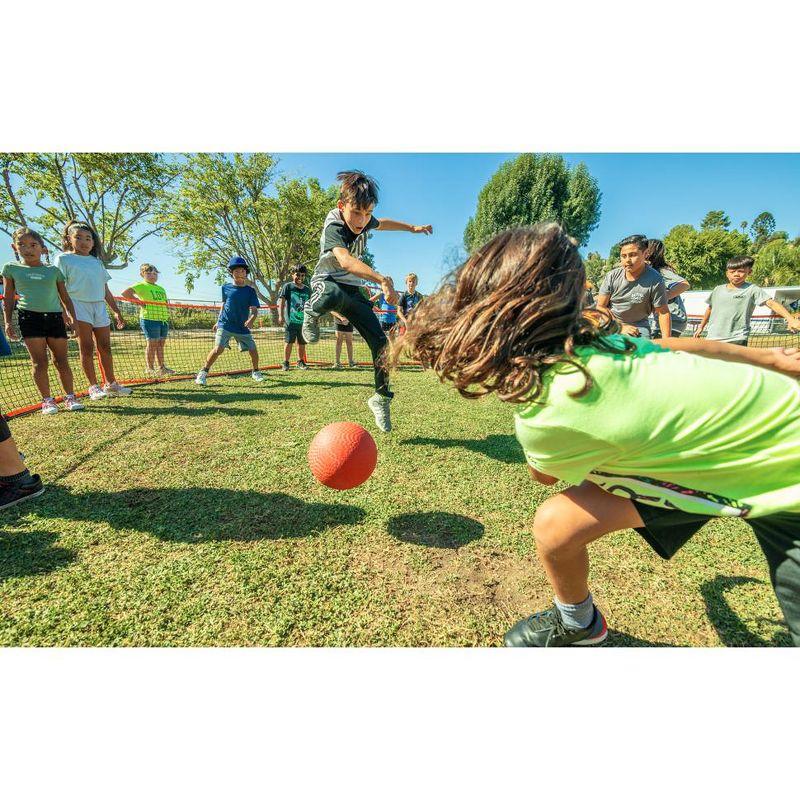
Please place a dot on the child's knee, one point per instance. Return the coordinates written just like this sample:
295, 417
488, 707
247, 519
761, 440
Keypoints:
552, 529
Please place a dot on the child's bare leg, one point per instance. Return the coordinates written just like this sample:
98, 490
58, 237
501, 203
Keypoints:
102, 338
339, 340
60, 359
254, 358
566, 523
37, 349
86, 347
287, 351
159, 352
301, 352
213, 355
150, 353
348, 340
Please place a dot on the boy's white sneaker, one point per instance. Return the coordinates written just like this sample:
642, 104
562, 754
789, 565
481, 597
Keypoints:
115, 390
71, 403
96, 393
49, 406
257, 376
379, 406
200, 380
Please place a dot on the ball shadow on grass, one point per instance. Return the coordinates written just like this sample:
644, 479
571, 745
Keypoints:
435, 529
196, 514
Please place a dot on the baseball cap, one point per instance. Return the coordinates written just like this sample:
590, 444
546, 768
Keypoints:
238, 261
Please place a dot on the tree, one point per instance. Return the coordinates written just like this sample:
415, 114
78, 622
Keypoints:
777, 264
535, 188
761, 228
596, 267
700, 256
116, 193
238, 205
715, 220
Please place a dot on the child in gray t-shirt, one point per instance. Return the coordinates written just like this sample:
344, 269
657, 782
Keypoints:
731, 305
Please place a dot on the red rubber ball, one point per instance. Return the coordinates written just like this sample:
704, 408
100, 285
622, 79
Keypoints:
342, 455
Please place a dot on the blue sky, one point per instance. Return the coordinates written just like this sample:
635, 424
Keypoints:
642, 193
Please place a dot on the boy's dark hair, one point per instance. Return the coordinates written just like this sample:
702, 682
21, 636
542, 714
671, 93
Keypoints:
741, 262
637, 239
74, 225
299, 270
507, 315
358, 188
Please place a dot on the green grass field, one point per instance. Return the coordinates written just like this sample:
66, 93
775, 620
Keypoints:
187, 516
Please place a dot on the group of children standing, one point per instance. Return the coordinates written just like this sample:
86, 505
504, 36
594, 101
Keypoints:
644, 288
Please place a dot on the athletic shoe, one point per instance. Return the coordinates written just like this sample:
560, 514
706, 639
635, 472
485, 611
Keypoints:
310, 329
165, 371
302, 365
547, 629
379, 406
257, 376
285, 366
150, 373
200, 380
115, 390
352, 364
71, 403
96, 393
11, 494
337, 365
49, 406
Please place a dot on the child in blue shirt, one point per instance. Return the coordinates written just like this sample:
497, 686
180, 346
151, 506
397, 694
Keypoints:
239, 309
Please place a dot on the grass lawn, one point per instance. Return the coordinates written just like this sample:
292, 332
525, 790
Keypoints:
187, 516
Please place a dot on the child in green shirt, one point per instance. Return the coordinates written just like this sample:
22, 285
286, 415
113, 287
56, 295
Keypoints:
153, 319
617, 418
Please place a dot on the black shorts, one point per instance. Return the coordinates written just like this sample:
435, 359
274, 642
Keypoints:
41, 324
667, 530
344, 327
294, 333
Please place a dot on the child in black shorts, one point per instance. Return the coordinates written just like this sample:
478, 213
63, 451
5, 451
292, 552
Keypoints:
292, 299
344, 334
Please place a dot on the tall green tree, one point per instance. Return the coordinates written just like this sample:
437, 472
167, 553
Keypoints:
700, 256
761, 228
777, 264
116, 193
239, 205
596, 267
533, 188
715, 220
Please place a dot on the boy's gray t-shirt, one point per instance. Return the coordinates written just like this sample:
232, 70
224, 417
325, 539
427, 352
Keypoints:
335, 233
632, 302
731, 310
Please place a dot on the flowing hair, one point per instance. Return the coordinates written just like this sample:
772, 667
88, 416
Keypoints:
72, 226
512, 311
656, 255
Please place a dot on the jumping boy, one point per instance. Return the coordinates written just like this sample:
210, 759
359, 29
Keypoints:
240, 306
340, 272
294, 295
635, 290
731, 305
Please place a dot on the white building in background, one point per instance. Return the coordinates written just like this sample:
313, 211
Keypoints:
764, 319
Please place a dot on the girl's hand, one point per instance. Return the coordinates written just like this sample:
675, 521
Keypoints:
10, 334
630, 330
696, 334
794, 324
120, 321
70, 322
426, 229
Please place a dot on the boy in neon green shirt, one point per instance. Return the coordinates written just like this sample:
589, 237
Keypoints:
649, 437
153, 319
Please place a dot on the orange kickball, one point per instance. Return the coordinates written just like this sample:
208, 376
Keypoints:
342, 455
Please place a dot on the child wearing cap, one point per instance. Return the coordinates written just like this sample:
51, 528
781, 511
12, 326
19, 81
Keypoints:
239, 308
293, 296
153, 319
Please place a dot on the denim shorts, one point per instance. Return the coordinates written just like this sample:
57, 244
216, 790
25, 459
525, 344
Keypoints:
154, 328
245, 340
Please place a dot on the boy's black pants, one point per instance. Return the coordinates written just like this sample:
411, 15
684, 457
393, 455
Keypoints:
329, 295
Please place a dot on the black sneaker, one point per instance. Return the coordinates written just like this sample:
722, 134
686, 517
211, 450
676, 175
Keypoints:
302, 365
546, 629
13, 493
285, 366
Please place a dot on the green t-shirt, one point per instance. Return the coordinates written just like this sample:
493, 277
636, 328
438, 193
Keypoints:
670, 429
36, 286
153, 292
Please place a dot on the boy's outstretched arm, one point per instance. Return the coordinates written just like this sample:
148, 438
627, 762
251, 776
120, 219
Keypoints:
781, 311
361, 270
784, 360
394, 225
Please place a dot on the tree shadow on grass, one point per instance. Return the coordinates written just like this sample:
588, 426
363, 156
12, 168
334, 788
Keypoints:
195, 411
499, 446
435, 529
31, 553
732, 631
196, 514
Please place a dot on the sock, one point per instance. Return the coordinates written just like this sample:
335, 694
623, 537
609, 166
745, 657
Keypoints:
576, 616
15, 480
